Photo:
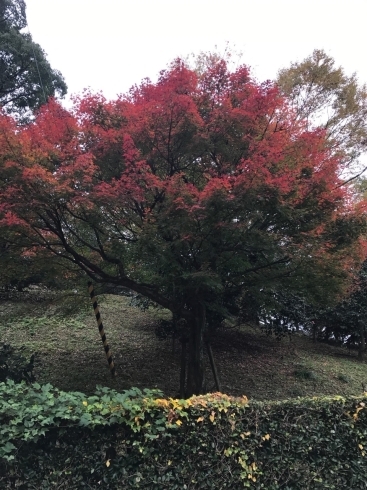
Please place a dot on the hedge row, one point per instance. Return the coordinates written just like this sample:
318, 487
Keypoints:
52, 439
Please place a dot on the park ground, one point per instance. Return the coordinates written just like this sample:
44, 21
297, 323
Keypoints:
70, 355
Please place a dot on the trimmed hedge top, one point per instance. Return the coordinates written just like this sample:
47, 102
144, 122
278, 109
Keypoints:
138, 439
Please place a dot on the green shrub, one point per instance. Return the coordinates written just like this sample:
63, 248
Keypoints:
343, 378
303, 372
13, 365
52, 439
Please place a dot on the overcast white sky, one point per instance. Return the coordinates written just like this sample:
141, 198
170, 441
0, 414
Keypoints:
109, 45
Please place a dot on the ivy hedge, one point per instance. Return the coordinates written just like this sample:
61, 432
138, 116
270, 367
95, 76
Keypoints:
138, 439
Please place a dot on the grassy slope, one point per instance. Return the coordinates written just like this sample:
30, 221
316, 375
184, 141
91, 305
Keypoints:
70, 354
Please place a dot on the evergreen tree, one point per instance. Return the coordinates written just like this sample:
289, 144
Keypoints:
27, 79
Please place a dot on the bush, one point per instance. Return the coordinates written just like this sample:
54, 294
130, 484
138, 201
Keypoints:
53, 439
13, 365
303, 372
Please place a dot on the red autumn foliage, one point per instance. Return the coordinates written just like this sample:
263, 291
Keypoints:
187, 190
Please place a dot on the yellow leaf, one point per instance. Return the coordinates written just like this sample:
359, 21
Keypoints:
253, 478
363, 453
267, 437
355, 415
200, 419
178, 422
212, 417
85, 403
254, 467
169, 462
108, 463
161, 402
174, 403
360, 446
245, 434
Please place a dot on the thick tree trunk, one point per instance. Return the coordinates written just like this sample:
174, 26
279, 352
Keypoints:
195, 372
183, 368
362, 343
314, 331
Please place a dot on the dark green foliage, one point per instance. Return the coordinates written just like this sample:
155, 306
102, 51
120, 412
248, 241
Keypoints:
250, 306
343, 378
283, 312
13, 365
303, 372
12, 14
165, 329
27, 79
53, 439
344, 324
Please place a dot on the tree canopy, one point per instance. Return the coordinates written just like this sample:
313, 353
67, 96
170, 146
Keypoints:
27, 79
189, 191
323, 95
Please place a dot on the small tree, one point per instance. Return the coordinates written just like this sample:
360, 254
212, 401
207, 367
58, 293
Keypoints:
188, 191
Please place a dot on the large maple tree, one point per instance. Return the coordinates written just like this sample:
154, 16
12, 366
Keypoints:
188, 191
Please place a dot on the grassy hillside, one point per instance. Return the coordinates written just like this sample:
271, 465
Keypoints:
69, 353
